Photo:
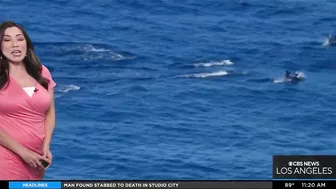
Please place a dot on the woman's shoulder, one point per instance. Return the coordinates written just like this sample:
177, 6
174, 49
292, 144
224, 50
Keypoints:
44, 68
45, 71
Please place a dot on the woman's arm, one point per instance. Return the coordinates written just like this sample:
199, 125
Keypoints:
8, 142
30, 157
50, 119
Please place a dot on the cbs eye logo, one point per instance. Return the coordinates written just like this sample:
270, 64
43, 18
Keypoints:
295, 163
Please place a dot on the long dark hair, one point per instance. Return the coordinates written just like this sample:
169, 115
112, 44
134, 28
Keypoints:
31, 61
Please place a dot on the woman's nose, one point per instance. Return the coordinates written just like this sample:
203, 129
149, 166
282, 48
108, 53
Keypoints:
14, 43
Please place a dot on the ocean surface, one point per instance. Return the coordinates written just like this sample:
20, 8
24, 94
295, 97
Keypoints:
167, 89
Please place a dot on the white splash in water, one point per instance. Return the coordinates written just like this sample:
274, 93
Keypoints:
214, 63
330, 40
68, 88
204, 75
101, 53
90, 48
300, 75
279, 80
91, 52
58, 96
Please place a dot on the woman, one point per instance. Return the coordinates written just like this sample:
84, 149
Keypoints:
27, 111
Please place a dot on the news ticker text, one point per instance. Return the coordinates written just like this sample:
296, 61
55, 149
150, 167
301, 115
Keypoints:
98, 184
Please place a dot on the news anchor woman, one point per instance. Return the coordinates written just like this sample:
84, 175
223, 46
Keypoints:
27, 111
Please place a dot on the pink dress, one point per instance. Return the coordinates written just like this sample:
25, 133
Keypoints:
23, 118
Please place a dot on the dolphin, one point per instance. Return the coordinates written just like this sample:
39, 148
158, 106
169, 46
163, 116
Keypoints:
293, 76
331, 40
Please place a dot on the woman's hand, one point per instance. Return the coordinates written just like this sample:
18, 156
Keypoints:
47, 154
32, 158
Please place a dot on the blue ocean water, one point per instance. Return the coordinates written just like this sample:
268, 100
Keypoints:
166, 89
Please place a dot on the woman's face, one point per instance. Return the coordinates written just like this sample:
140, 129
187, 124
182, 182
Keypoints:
14, 45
